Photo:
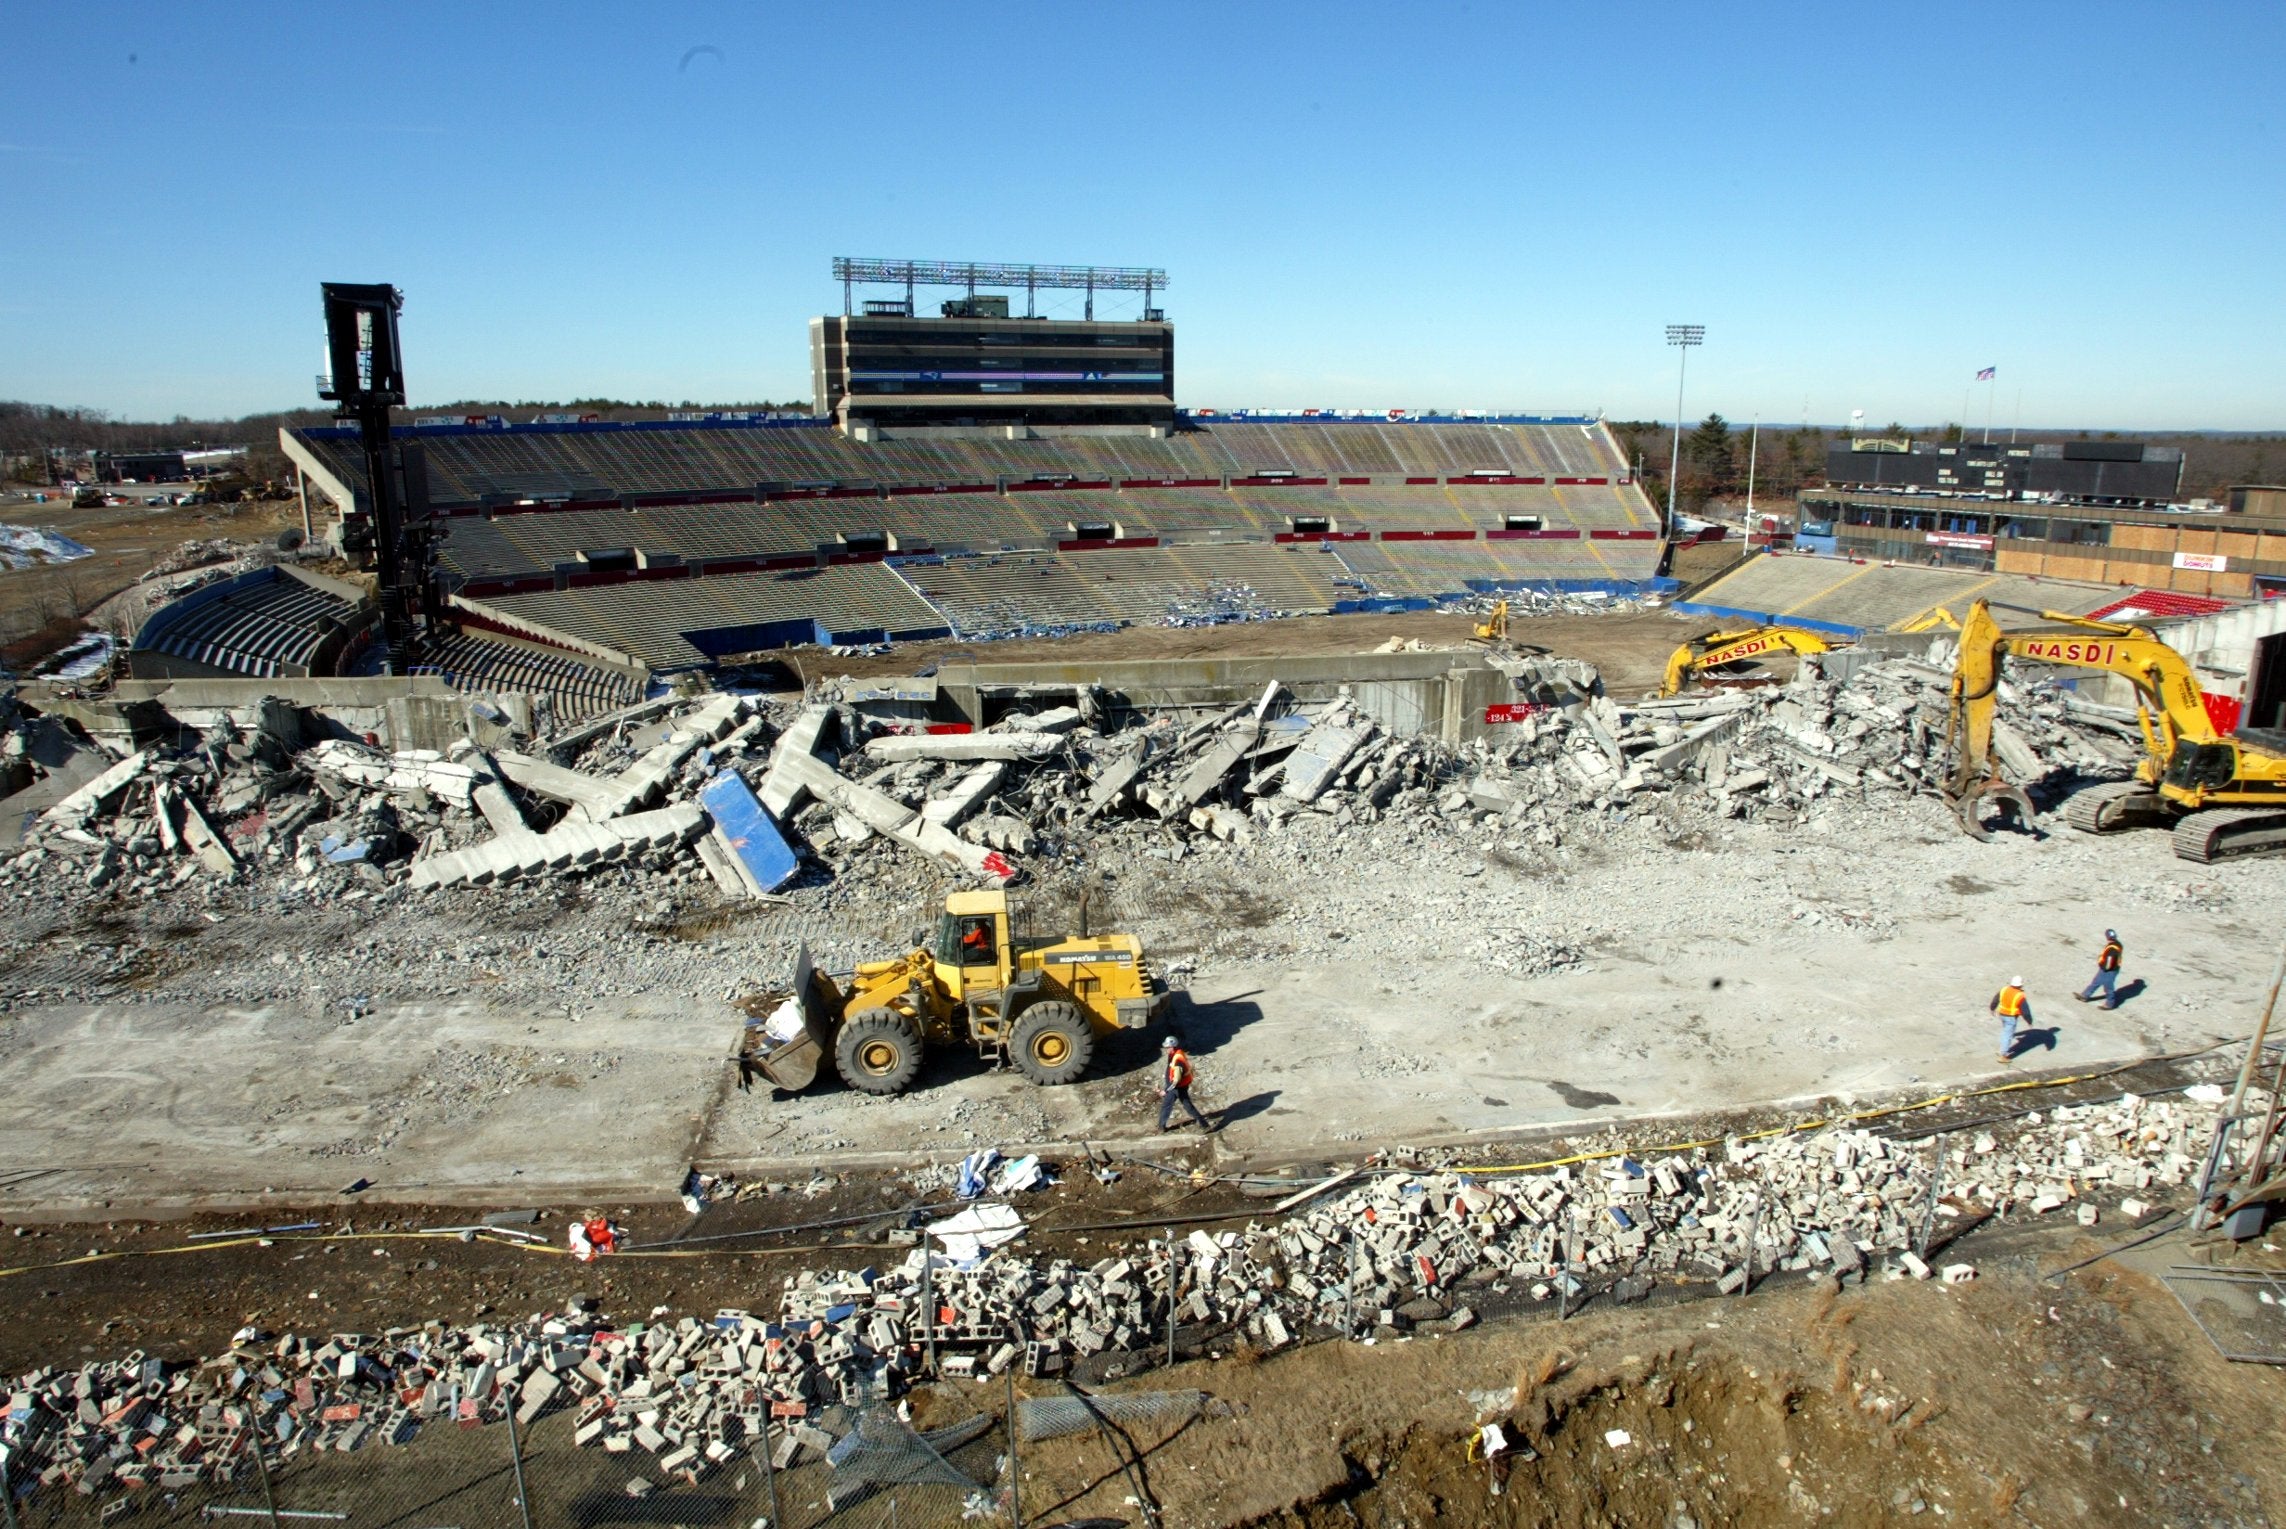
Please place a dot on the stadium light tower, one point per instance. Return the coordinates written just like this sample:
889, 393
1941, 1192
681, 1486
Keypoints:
1682, 337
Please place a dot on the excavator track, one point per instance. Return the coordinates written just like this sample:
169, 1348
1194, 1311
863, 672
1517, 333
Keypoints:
2225, 833
2112, 807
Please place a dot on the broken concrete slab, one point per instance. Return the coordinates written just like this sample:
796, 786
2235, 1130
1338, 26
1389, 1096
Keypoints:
808, 737
75, 810
586, 795
642, 782
968, 793
998, 831
567, 844
898, 747
1319, 757
884, 814
401, 773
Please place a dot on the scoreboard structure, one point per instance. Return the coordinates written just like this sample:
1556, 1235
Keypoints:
975, 365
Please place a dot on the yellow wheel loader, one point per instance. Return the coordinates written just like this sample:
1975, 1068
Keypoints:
1040, 1004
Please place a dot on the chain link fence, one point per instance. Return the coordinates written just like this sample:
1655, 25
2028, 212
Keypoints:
859, 1467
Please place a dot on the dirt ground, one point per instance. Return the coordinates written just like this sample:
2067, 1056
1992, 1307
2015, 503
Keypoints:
126, 540
2013, 1399
1629, 648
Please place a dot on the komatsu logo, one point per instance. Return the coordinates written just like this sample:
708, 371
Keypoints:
2094, 654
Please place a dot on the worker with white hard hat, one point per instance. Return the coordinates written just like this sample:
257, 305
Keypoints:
2014, 1009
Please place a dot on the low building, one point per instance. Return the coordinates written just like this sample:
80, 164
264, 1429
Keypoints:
2098, 511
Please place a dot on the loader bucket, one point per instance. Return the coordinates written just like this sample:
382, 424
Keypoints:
792, 1065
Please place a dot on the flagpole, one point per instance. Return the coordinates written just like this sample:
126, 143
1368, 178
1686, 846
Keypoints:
1991, 386
1753, 444
2012, 429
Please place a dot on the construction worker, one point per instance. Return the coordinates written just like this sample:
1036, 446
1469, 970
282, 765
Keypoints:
976, 942
2014, 1009
2107, 972
1175, 1084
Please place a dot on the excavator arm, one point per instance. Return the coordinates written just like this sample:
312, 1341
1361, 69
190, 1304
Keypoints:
1715, 649
2171, 708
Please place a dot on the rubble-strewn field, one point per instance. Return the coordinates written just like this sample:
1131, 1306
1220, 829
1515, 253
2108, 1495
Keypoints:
317, 981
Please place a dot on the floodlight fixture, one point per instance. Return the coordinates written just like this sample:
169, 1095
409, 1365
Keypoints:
1682, 337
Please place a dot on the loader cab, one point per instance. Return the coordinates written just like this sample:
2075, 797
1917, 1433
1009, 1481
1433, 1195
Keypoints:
972, 949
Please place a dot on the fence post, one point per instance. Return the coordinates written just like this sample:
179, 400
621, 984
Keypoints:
1015, 1471
929, 1307
1349, 1292
261, 1469
770, 1469
1170, 1297
8, 1487
1929, 1212
516, 1458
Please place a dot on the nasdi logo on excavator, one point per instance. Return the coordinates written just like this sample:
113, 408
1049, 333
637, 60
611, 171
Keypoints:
2072, 652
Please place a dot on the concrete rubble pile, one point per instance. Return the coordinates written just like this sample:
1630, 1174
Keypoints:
1776, 753
255, 799
1400, 1250
720, 787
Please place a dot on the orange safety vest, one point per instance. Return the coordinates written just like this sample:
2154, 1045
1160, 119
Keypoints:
1178, 1068
2109, 960
2010, 1003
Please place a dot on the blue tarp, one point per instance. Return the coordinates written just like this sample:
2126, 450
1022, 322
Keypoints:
753, 837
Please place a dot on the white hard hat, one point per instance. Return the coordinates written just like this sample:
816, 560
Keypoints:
2016, 982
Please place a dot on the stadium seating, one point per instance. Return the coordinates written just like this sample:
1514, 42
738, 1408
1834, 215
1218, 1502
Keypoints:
554, 462
484, 666
981, 531
674, 624
268, 624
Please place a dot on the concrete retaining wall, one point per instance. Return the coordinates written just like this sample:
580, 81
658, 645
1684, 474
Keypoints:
420, 712
1441, 694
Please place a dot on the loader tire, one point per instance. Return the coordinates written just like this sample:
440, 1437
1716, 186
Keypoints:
878, 1052
1053, 1043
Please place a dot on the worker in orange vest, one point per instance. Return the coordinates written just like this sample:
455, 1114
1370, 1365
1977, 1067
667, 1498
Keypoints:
2014, 1009
1175, 1084
2106, 978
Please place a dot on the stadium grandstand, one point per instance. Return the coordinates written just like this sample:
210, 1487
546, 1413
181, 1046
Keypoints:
976, 474
670, 545
269, 623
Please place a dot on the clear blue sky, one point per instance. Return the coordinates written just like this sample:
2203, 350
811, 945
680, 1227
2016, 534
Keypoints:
1486, 205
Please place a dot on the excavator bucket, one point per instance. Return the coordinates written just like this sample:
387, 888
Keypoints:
1973, 807
793, 1065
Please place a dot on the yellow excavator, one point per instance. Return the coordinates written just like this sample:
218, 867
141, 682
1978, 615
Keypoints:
2222, 796
1494, 627
1712, 650
1040, 1003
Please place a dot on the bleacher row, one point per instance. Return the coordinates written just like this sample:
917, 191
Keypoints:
482, 665
678, 624
674, 623
523, 546
465, 467
265, 624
